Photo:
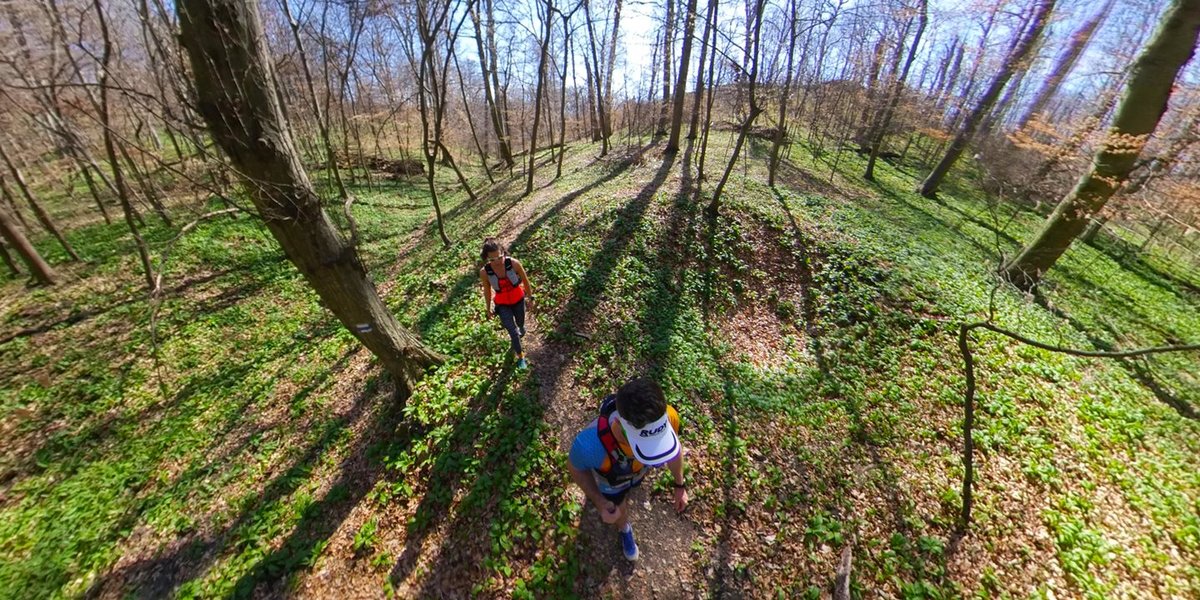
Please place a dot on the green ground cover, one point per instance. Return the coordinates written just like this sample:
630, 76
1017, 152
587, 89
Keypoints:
806, 336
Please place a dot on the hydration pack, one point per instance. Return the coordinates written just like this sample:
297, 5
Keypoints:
621, 468
513, 278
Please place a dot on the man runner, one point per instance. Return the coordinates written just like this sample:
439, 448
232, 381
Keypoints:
636, 431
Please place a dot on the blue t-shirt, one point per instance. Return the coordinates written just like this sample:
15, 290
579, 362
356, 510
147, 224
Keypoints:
588, 453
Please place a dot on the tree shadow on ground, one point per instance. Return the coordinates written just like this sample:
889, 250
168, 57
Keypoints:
486, 511
192, 555
486, 506
470, 433
78, 316
1138, 368
487, 514
811, 259
1131, 259
991, 254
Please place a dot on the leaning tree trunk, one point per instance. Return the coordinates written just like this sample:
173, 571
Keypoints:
236, 96
753, 50
38, 267
9, 262
42, 216
489, 95
1143, 105
1015, 60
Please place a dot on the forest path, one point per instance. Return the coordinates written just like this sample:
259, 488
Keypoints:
664, 568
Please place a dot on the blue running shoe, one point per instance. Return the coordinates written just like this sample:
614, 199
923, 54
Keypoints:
627, 543
521, 364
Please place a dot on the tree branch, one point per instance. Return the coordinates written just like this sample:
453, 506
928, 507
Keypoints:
964, 347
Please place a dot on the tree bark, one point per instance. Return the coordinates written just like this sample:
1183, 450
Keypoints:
667, 56
321, 117
710, 18
1014, 61
602, 110
485, 46
608, 76
753, 50
543, 57
1143, 105
12, 265
781, 126
123, 191
236, 96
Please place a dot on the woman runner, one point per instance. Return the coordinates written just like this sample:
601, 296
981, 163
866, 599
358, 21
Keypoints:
506, 286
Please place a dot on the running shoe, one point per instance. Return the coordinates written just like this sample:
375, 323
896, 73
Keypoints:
627, 543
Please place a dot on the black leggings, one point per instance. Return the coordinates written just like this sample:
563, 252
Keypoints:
512, 316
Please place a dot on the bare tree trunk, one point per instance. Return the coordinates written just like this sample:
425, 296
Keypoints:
1145, 101
462, 87
562, 97
593, 118
685, 57
711, 96
318, 114
237, 99
1066, 61
38, 267
785, 95
612, 61
543, 57
123, 191
485, 46
1015, 60
9, 262
667, 58
885, 120
11, 204
709, 20
38, 211
753, 50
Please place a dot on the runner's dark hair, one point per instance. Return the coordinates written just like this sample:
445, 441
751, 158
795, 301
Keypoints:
641, 401
491, 245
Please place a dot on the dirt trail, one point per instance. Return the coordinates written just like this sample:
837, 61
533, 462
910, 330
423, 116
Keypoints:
664, 569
